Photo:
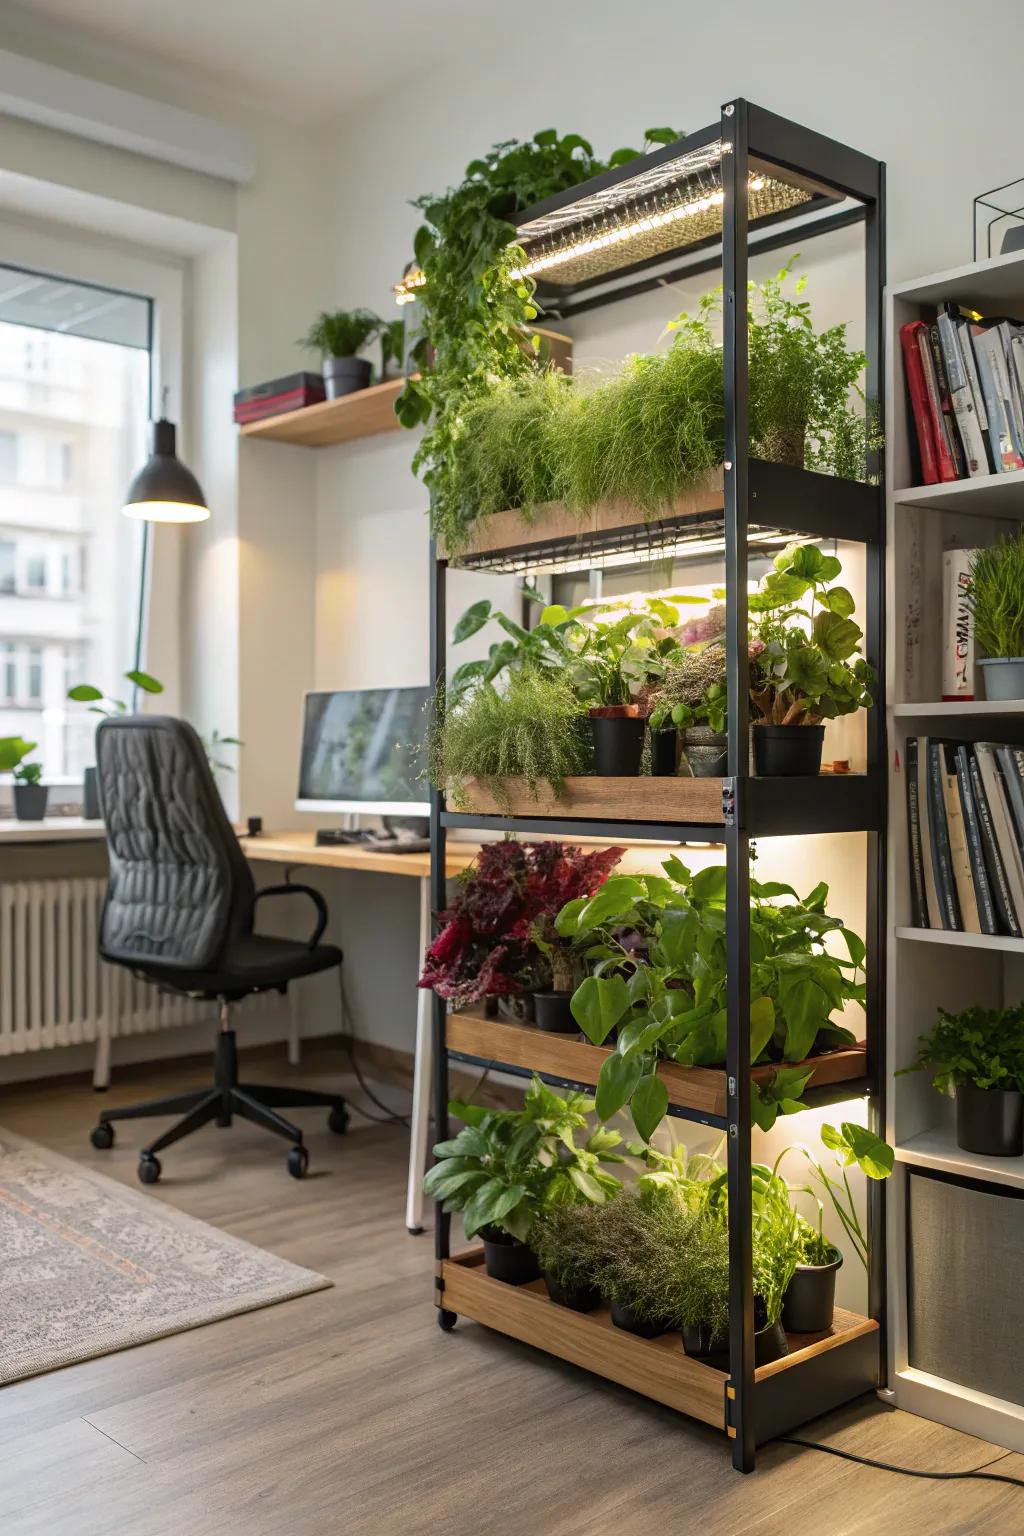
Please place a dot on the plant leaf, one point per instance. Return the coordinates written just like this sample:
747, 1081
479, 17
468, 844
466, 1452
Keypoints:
648, 1105
618, 1077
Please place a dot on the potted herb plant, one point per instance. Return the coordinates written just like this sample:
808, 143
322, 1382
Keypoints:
568, 1242
692, 699
100, 704
805, 664
614, 659
338, 336
996, 598
979, 1054
504, 1167
29, 793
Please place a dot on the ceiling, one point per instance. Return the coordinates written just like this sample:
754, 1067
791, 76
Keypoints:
307, 60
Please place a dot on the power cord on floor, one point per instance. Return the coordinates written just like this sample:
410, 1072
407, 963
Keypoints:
388, 1116
887, 1466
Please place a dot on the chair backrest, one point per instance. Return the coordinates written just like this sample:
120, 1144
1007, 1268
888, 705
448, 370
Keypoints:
180, 887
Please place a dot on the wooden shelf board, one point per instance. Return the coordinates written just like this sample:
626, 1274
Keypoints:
986, 496
686, 801
994, 941
969, 709
657, 1368
937, 1148
702, 1090
362, 414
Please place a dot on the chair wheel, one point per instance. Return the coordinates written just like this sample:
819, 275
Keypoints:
446, 1320
102, 1136
149, 1169
298, 1162
337, 1120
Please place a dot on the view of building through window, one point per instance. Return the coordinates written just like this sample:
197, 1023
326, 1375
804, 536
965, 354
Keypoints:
73, 419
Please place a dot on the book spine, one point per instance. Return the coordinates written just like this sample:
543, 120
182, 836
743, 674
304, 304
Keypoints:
963, 331
982, 889
1006, 333
959, 854
941, 858
919, 405
1002, 824
965, 410
1014, 791
993, 859
949, 424
943, 456
918, 904
933, 906
988, 350
957, 628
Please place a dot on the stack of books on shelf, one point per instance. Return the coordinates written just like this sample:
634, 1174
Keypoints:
965, 820
275, 397
965, 382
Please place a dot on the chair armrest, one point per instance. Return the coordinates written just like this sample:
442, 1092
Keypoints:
301, 890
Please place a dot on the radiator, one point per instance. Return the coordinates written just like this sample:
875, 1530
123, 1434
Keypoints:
54, 988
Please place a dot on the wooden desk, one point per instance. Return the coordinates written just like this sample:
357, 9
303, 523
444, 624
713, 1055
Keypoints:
299, 848
52, 829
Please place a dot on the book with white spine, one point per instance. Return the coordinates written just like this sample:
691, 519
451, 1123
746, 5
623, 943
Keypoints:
957, 626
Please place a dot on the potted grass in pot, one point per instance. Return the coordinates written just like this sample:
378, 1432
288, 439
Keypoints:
568, 1242
338, 336
996, 599
978, 1055
805, 662
504, 1167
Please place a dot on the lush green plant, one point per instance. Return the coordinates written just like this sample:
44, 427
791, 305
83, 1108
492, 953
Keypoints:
614, 660
530, 731
570, 1243
544, 648
801, 670
657, 949
341, 332
692, 691
100, 704
504, 1167
851, 1144
476, 305
996, 596
13, 752
392, 343
980, 1048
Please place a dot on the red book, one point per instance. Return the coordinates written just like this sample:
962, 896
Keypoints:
943, 453
919, 400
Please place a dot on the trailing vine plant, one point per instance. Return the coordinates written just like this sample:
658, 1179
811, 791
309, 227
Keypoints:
475, 309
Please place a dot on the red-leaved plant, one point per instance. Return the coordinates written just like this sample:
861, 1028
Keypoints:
486, 947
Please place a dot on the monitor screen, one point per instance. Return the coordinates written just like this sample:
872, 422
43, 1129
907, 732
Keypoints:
362, 750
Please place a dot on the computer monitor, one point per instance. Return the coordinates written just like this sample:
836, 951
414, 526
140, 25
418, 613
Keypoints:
362, 750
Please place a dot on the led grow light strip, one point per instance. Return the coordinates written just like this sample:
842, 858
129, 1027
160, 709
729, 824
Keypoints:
679, 549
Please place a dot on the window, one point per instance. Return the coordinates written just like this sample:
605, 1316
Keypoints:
74, 408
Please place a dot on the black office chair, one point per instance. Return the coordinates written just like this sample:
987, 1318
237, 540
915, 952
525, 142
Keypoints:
179, 913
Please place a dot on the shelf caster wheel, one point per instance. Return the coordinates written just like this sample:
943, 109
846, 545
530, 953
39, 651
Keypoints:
149, 1168
102, 1136
298, 1162
337, 1120
446, 1320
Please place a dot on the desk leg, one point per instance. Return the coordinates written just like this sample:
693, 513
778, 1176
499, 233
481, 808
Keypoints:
419, 1132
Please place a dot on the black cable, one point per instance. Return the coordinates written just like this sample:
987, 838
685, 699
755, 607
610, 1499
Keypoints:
389, 1116
887, 1466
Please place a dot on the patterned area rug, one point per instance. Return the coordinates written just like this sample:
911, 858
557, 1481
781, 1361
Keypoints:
88, 1266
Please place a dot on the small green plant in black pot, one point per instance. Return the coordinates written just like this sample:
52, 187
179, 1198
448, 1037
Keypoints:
29, 793
996, 599
692, 699
338, 337
979, 1056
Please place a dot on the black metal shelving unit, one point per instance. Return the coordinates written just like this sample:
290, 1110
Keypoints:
840, 185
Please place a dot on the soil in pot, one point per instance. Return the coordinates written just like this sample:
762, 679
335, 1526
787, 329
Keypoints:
705, 752
990, 1120
30, 801
345, 375
625, 1318
618, 733
1003, 676
554, 1014
664, 754
811, 1297
577, 1299
788, 751
506, 1258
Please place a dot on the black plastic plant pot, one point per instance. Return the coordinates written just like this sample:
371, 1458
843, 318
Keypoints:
506, 1258
90, 795
30, 801
664, 754
788, 751
554, 1014
990, 1120
618, 745
705, 752
577, 1298
811, 1297
625, 1318
345, 375
769, 1344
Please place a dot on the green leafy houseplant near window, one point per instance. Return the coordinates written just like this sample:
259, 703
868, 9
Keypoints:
338, 336
996, 599
504, 1167
102, 704
979, 1056
29, 792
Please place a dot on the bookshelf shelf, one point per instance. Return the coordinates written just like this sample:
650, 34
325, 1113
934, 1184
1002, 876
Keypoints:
362, 414
976, 710
987, 496
937, 1149
989, 941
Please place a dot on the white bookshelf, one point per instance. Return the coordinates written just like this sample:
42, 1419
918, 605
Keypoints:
929, 968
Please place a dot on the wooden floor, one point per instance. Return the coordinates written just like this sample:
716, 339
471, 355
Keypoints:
350, 1412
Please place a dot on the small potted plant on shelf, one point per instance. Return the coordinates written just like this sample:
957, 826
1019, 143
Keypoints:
996, 599
692, 699
805, 665
568, 1242
613, 661
338, 337
979, 1055
504, 1167
29, 793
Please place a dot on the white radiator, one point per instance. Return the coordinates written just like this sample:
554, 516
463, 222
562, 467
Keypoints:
54, 988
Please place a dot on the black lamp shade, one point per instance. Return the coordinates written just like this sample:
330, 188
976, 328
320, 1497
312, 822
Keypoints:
164, 491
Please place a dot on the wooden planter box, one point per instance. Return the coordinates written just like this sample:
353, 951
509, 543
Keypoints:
689, 802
